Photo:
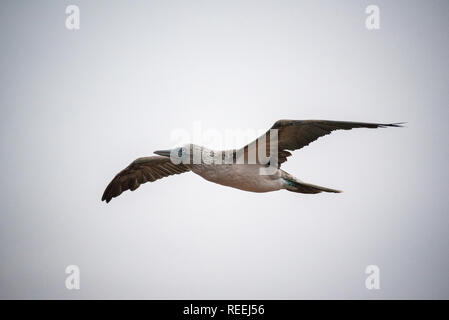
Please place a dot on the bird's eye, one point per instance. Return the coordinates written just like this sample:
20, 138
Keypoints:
180, 152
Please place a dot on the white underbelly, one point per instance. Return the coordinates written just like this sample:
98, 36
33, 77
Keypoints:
241, 176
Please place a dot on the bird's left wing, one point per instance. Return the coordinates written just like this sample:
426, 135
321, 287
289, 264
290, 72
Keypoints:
140, 171
296, 134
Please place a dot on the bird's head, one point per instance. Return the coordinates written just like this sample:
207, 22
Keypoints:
186, 154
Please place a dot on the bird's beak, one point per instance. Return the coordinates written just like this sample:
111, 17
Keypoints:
165, 153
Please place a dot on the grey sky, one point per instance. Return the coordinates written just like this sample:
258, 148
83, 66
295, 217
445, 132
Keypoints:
78, 106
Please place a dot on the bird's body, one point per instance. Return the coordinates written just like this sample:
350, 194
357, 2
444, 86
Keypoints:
241, 176
255, 167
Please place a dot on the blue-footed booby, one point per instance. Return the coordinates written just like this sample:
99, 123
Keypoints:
255, 167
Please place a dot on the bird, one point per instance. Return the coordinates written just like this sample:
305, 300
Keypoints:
238, 168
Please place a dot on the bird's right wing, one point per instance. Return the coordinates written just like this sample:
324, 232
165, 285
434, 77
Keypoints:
140, 171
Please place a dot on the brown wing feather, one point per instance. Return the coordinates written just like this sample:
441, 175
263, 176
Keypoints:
296, 134
140, 171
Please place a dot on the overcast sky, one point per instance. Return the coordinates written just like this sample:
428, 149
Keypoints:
77, 106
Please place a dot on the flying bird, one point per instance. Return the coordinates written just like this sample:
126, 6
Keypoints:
238, 168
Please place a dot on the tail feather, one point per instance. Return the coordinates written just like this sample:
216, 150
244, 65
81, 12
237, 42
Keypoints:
295, 185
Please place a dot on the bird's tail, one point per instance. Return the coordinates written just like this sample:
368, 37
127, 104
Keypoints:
295, 185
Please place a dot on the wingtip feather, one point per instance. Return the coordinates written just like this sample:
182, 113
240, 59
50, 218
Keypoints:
395, 125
